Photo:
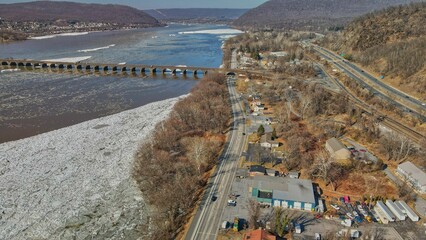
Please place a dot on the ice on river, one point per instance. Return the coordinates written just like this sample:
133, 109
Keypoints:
75, 183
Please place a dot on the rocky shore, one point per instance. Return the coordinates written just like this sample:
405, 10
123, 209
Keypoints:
75, 182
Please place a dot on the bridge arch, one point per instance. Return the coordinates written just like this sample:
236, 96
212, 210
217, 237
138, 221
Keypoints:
44, 65
88, 67
79, 67
143, 70
70, 66
53, 65
124, 69
28, 64
133, 69
106, 68
13, 64
114, 69
97, 68
167, 70
61, 66
154, 70
198, 71
4, 63
21, 64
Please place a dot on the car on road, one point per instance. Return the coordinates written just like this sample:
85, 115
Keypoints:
232, 202
214, 198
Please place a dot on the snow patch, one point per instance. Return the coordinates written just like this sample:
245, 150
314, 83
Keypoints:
215, 32
68, 60
59, 35
96, 49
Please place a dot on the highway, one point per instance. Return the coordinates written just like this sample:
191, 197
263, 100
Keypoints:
207, 220
407, 98
413, 106
387, 122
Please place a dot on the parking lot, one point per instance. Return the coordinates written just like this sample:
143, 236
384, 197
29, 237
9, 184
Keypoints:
311, 225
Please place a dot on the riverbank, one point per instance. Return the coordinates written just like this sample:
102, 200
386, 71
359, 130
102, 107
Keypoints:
75, 182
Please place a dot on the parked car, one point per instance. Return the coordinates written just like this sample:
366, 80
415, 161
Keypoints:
368, 218
317, 236
349, 215
298, 228
225, 224
355, 214
214, 198
232, 202
335, 206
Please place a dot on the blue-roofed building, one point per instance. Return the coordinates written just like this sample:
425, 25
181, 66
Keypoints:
282, 192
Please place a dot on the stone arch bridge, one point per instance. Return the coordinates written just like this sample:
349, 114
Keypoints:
111, 67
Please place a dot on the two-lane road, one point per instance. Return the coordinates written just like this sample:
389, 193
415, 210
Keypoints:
205, 224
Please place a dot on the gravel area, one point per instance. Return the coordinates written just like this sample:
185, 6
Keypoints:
75, 183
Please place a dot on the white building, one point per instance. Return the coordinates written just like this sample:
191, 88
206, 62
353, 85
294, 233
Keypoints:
408, 211
395, 210
384, 213
413, 175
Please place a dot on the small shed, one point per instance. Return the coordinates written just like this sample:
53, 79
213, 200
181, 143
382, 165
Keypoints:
271, 172
337, 149
294, 175
255, 170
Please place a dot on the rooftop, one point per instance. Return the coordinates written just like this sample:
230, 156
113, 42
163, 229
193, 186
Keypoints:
286, 188
335, 144
257, 168
259, 234
413, 171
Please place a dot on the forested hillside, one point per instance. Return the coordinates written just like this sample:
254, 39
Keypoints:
188, 14
391, 42
69, 11
310, 14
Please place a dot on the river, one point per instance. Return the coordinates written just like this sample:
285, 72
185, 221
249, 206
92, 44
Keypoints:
35, 102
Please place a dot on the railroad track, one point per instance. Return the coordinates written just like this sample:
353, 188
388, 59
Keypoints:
386, 121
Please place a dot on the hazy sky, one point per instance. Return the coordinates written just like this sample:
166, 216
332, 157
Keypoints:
149, 4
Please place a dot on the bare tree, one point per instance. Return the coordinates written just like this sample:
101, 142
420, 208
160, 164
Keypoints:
396, 147
254, 213
325, 169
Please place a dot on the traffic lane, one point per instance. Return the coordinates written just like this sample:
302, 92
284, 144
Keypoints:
205, 206
381, 95
209, 230
375, 80
233, 161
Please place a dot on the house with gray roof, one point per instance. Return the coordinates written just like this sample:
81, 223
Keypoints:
282, 192
413, 175
337, 149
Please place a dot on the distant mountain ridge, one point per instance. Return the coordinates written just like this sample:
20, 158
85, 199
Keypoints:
71, 11
196, 13
310, 14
